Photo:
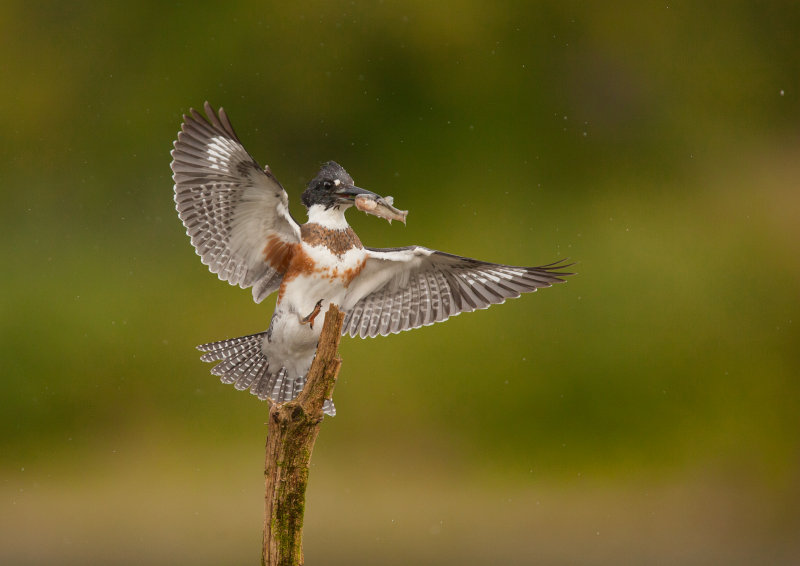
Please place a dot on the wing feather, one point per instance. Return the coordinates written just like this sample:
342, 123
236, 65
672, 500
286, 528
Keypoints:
404, 288
232, 209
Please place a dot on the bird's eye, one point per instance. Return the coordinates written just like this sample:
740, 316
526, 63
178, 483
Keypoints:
327, 184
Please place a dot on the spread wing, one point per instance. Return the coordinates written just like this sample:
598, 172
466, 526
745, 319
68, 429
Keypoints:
236, 214
405, 288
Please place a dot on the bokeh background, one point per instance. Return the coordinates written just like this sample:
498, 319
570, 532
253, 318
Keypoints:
646, 412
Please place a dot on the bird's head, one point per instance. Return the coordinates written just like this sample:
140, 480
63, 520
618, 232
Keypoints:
333, 191
333, 187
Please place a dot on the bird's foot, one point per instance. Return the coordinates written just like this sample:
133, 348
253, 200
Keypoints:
310, 318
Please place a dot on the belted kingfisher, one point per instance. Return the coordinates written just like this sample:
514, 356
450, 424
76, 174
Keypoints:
237, 217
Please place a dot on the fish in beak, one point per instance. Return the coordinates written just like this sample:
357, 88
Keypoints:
380, 206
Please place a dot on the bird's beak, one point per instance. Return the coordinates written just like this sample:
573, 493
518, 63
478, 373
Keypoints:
348, 193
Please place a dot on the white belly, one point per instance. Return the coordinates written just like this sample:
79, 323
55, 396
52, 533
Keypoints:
291, 341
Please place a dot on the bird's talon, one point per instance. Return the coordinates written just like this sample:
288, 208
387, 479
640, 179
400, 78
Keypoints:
310, 318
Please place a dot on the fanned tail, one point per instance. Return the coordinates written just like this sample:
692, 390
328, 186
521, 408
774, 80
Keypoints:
242, 363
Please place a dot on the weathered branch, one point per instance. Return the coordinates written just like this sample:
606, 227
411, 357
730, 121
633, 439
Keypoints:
292, 430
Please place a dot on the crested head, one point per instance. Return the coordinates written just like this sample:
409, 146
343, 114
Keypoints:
327, 187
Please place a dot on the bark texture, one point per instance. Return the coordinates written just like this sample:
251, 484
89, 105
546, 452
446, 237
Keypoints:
292, 431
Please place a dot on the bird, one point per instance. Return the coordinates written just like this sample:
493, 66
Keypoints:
237, 217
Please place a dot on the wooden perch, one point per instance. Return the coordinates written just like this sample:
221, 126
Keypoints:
292, 430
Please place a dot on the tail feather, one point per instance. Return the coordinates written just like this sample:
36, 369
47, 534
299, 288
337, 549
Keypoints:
260, 387
231, 368
282, 389
229, 348
243, 364
253, 370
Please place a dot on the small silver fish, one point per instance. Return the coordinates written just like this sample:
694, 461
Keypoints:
380, 207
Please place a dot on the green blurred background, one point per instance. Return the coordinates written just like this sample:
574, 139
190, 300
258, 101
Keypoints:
647, 412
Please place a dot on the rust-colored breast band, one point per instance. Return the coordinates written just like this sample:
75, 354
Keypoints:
338, 241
